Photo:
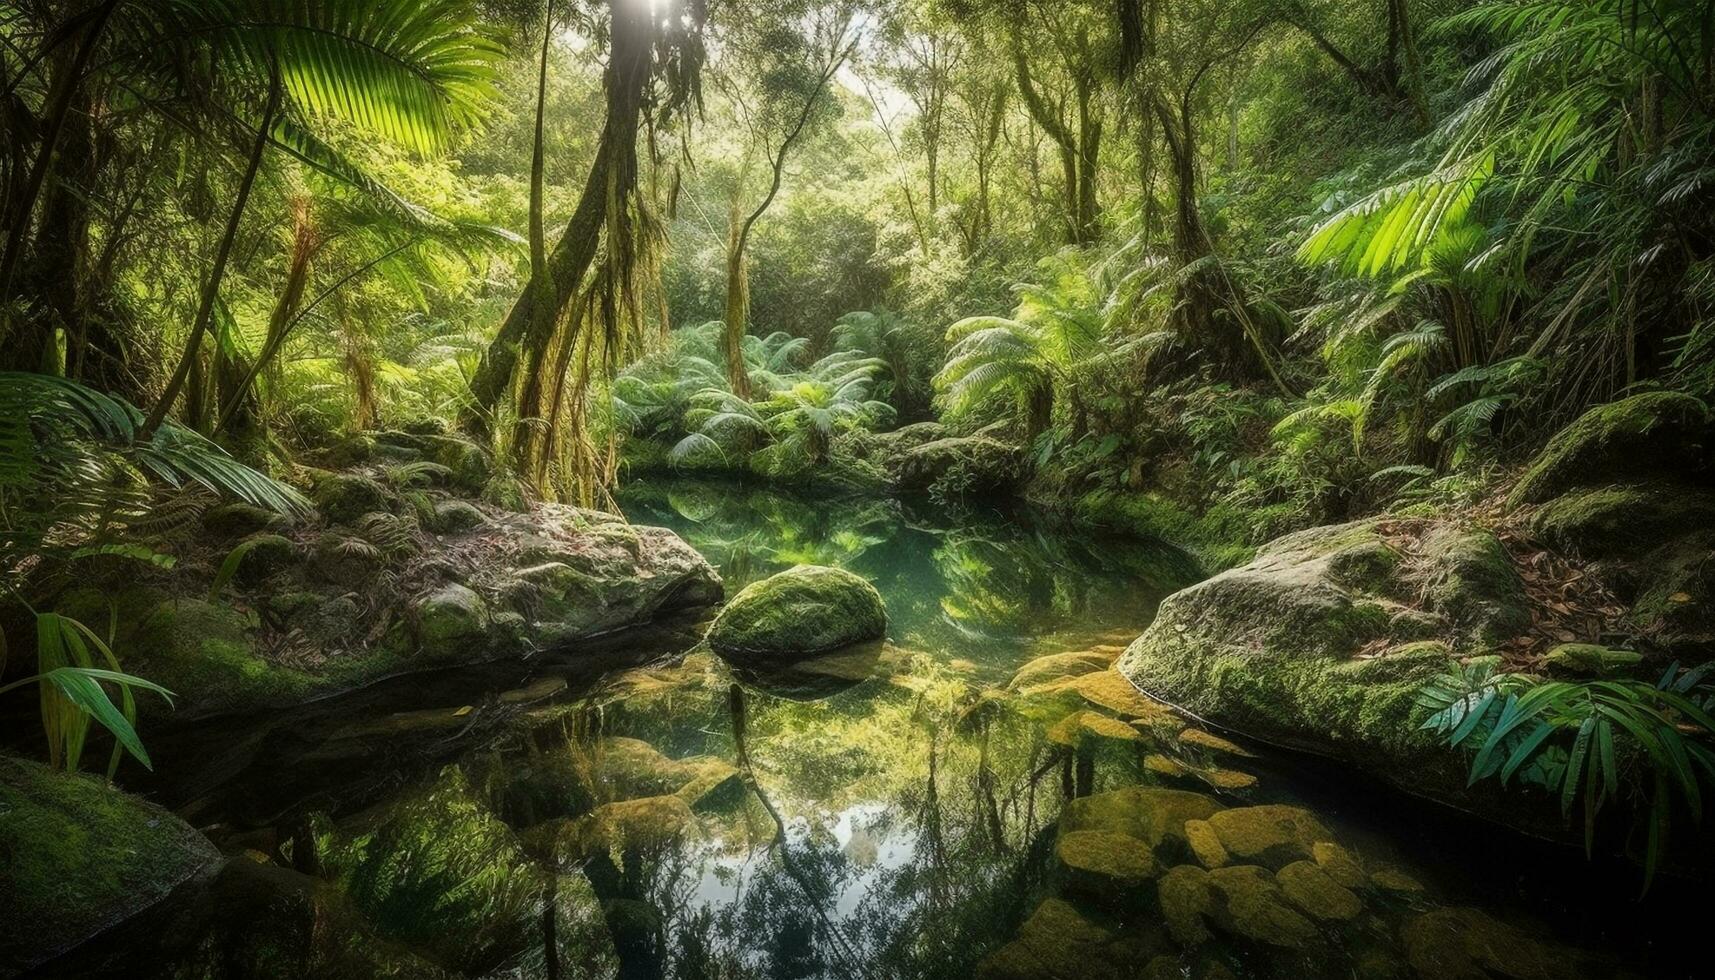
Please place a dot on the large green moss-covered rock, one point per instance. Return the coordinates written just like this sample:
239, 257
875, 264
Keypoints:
1272, 649
800, 612
976, 464
1675, 596
1623, 521
1657, 433
573, 572
448, 618
344, 497
1250, 905
1470, 579
78, 856
1105, 866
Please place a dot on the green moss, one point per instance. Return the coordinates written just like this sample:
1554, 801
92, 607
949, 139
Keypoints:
803, 611
1622, 521
1591, 660
1660, 432
265, 555
202, 651
450, 618
344, 497
80, 855
1471, 580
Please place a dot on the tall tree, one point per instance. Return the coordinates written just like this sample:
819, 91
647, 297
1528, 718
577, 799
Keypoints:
779, 92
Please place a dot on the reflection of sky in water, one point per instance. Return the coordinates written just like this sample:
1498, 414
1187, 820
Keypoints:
858, 831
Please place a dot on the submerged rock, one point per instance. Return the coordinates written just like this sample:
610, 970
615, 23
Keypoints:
1187, 901
800, 612
1087, 727
1103, 865
1058, 942
1153, 815
1273, 834
1466, 944
1338, 864
1250, 905
1315, 892
1205, 843
78, 856
1047, 672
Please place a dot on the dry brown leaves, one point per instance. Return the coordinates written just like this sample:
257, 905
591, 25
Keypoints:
1569, 602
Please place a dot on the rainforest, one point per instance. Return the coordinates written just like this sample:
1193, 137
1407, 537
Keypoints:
919, 489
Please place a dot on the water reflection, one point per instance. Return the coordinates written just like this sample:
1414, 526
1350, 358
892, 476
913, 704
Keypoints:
982, 795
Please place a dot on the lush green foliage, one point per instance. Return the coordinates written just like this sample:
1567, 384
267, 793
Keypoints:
1590, 740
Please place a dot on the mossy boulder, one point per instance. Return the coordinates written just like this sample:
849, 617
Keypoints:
265, 555
237, 519
344, 560
1284, 649
1105, 866
1675, 603
1153, 815
1466, 944
457, 517
204, 651
342, 498
1657, 433
976, 464
468, 465
573, 573
1307, 886
804, 611
1622, 521
1187, 901
1046, 672
1250, 905
1470, 579
1058, 942
1205, 843
1591, 660
1274, 834
78, 856
448, 618
1088, 728
1338, 864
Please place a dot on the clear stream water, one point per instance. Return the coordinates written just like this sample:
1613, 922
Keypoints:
900, 813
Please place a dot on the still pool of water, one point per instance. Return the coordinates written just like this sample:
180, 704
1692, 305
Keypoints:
946, 804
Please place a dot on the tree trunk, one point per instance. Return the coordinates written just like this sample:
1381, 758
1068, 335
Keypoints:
737, 315
211, 289
612, 177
